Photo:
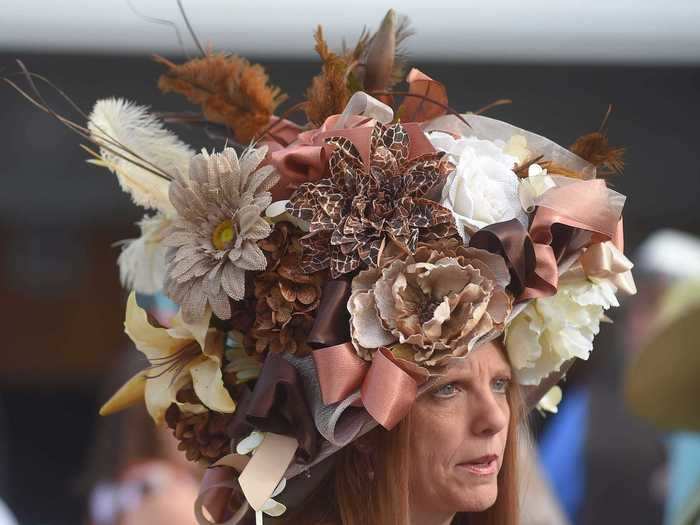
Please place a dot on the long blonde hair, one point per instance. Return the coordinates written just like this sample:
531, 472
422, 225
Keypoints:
369, 484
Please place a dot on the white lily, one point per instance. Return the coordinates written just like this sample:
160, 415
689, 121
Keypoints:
184, 353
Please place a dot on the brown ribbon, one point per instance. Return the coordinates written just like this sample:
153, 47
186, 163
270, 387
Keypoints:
278, 405
386, 391
568, 218
332, 325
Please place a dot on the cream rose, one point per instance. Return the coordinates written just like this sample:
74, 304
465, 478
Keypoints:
483, 188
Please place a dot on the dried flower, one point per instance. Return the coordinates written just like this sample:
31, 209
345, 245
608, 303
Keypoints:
201, 434
285, 295
214, 238
184, 354
231, 91
436, 304
359, 209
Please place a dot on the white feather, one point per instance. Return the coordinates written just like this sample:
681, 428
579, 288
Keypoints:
142, 261
127, 135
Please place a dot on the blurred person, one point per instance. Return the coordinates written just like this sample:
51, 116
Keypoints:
6, 517
136, 473
661, 386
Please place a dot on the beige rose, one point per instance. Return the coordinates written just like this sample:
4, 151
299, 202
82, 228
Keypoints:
435, 304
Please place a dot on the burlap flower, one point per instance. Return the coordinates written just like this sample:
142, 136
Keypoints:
214, 237
355, 212
285, 296
430, 306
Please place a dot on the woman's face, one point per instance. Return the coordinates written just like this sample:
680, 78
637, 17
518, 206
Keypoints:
458, 435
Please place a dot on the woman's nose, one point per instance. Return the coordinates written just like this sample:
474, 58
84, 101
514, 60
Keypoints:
489, 416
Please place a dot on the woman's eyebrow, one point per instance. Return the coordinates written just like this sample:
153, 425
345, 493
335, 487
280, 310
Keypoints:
503, 371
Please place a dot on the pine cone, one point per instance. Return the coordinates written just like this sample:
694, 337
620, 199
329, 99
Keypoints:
202, 436
285, 296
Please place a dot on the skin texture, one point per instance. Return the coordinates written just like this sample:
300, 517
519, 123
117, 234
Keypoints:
462, 418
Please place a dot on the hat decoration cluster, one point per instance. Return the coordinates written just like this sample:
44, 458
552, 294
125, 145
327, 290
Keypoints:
335, 266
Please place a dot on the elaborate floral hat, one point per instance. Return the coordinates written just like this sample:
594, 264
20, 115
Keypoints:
326, 271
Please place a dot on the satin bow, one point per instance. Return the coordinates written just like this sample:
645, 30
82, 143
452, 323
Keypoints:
386, 391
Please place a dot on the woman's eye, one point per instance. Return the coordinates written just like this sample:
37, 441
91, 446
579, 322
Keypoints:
447, 390
500, 385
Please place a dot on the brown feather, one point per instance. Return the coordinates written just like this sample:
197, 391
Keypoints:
329, 91
594, 148
230, 90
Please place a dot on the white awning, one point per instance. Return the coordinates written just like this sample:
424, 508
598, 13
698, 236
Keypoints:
593, 31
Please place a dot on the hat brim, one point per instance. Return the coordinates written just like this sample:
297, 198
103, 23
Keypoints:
663, 384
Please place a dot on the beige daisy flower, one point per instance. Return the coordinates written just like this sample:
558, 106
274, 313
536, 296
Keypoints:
214, 236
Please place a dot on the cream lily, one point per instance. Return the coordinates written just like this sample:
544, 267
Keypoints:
184, 353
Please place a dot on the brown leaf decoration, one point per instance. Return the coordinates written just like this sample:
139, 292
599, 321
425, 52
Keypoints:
231, 91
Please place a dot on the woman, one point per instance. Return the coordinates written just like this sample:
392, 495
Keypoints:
451, 461
359, 295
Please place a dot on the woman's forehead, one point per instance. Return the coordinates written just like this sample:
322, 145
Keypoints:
489, 357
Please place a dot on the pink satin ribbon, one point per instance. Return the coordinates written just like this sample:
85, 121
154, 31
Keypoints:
304, 160
386, 391
584, 205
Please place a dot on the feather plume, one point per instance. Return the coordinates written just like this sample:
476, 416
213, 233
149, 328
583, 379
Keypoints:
594, 148
329, 91
230, 90
131, 138
384, 57
142, 260
377, 62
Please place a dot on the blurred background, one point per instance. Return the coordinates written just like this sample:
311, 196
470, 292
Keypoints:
561, 63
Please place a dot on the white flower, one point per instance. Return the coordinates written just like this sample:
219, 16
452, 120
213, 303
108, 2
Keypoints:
517, 147
552, 330
536, 183
550, 401
483, 189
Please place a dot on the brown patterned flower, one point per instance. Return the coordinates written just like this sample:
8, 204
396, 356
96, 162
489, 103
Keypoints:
360, 208
435, 304
286, 297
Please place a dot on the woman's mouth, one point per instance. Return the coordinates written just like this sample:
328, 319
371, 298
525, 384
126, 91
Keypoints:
483, 466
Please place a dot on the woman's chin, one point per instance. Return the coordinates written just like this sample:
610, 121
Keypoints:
477, 498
